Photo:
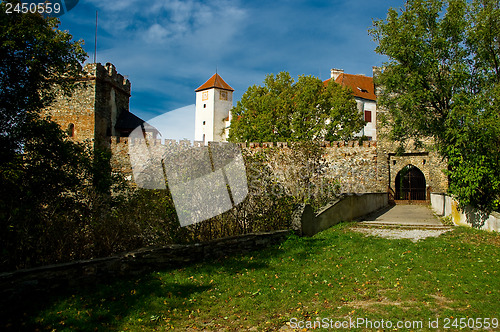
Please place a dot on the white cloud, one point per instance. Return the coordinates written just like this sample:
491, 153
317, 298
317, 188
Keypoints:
162, 22
170, 47
156, 32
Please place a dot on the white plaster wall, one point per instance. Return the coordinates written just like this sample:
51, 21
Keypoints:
445, 205
213, 114
221, 112
370, 129
204, 114
437, 203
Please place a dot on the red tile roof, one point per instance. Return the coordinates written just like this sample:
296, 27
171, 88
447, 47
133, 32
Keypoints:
361, 86
215, 82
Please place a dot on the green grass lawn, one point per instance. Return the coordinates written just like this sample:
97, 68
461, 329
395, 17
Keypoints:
336, 275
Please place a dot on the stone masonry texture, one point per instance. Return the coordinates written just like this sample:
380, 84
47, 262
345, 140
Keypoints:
359, 167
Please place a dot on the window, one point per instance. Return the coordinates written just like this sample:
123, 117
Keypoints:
71, 130
204, 122
368, 116
223, 95
204, 105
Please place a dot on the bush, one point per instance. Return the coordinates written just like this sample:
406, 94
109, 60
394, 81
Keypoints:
92, 213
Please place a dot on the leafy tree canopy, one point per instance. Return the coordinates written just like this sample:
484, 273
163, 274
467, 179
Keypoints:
45, 178
287, 110
442, 80
34, 55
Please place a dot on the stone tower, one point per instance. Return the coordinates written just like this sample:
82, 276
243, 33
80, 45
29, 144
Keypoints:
214, 100
98, 108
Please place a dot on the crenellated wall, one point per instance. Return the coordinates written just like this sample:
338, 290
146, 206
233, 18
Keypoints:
355, 165
371, 166
96, 103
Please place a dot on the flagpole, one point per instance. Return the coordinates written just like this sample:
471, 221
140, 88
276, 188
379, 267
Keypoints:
95, 41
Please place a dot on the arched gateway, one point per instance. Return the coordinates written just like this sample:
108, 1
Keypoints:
410, 184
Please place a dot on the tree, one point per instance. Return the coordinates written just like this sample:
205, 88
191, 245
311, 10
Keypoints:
442, 81
34, 55
43, 175
285, 110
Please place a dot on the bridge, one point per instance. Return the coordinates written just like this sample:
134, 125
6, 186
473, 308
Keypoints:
371, 210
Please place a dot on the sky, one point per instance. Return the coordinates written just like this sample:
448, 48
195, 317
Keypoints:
168, 48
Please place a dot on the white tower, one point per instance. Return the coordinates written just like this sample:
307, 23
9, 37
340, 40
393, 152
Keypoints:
214, 100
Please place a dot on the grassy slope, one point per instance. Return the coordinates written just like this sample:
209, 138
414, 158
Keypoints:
337, 274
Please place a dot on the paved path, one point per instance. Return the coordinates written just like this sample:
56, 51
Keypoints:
405, 215
414, 222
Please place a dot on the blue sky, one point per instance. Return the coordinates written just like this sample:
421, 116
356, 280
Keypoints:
167, 48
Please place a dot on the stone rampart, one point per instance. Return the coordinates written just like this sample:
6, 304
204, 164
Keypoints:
353, 164
91, 113
107, 73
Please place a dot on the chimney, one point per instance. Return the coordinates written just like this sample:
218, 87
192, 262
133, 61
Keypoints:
334, 73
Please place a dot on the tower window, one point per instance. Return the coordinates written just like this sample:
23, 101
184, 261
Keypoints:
204, 105
223, 95
71, 130
204, 122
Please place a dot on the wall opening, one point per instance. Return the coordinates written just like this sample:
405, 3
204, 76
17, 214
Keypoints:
71, 130
410, 184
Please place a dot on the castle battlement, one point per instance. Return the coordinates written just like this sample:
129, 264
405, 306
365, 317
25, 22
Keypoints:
109, 74
335, 144
124, 141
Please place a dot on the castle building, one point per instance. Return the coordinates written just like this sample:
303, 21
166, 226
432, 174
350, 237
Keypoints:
98, 113
214, 100
98, 108
363, 90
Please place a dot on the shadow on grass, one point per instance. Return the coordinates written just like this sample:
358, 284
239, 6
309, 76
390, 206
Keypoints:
102, 306
171, 297
106, 304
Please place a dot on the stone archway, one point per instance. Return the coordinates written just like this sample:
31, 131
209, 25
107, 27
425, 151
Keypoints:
410, 184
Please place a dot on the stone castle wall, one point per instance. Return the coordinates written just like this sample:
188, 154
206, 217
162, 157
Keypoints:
354, 165
426, 158
112, 99
371, 166
95, 104
77, 110
366, 167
